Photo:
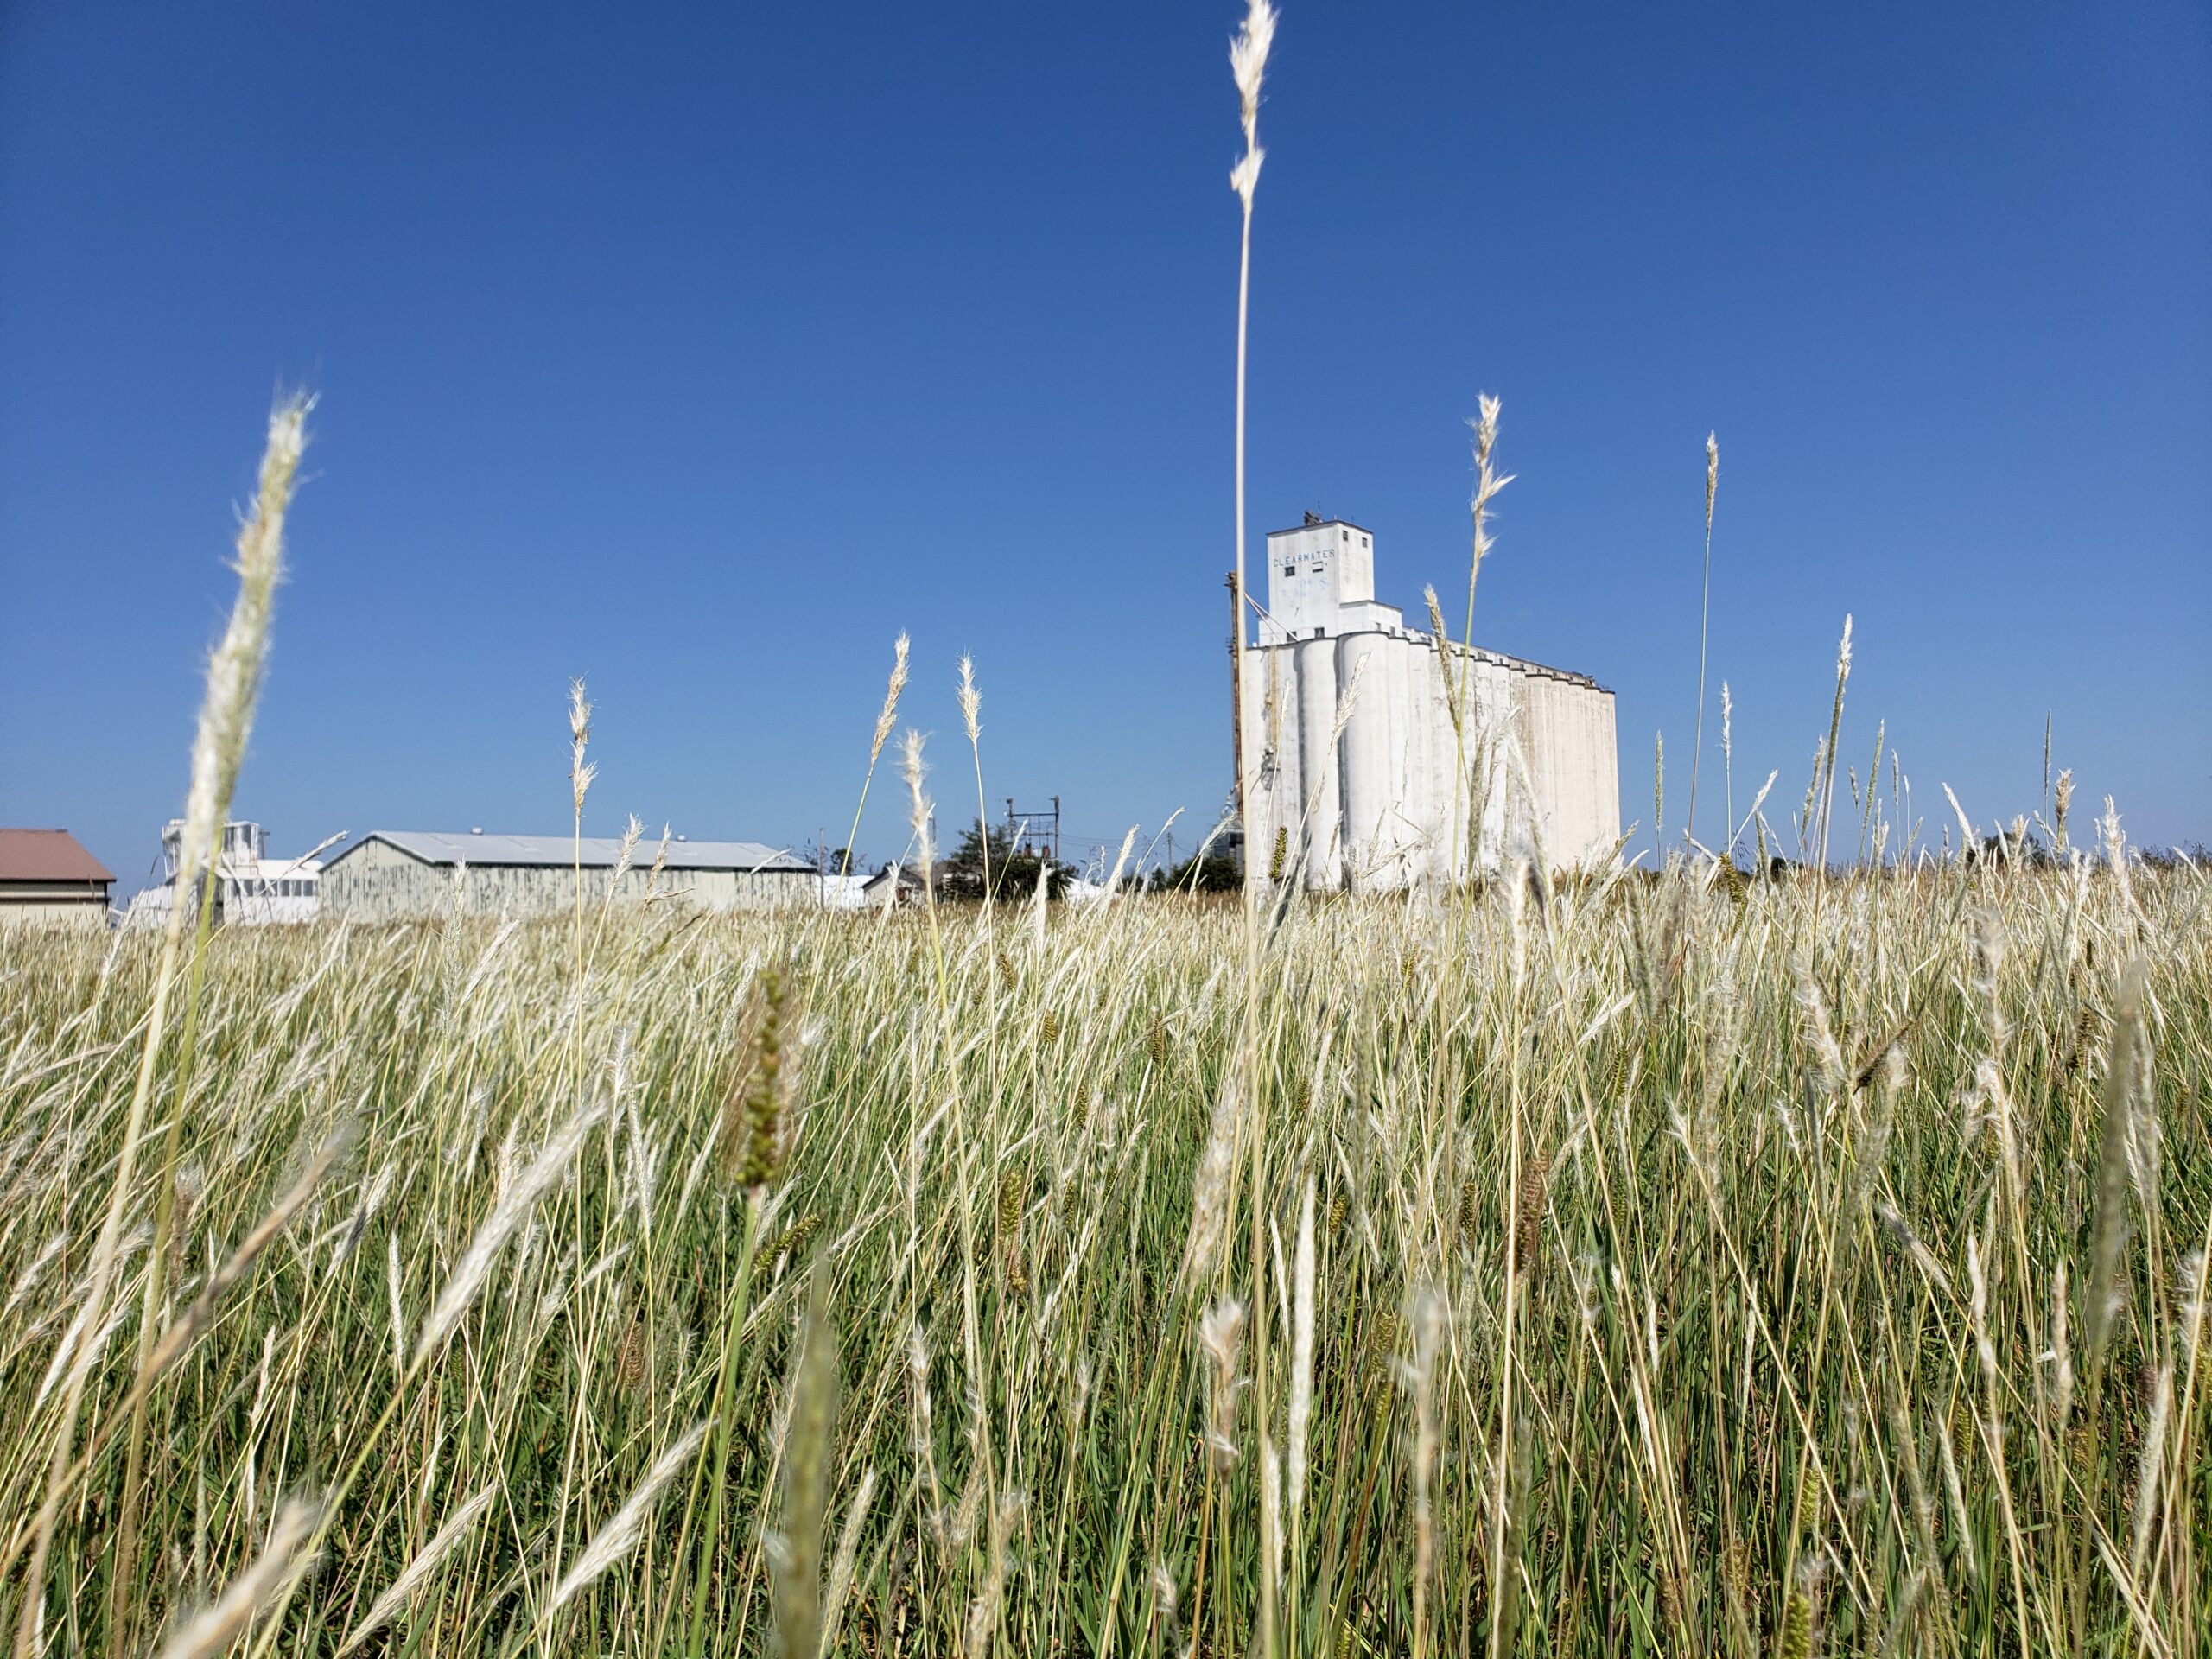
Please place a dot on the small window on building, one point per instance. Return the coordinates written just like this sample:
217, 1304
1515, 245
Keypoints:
1290, 569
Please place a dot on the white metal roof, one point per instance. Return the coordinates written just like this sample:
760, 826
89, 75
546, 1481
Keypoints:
599, 852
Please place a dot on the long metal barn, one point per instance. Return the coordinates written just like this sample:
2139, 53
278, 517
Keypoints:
394, 875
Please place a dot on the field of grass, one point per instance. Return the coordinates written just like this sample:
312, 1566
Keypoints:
1653, 1265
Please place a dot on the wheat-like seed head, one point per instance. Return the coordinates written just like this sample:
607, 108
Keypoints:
1209, 1188
1248, 63
1489, 406
1248, 59
847, 1559
627, 1526
518, 1198
249, 1595
1711, 475
756, 1115
971, 700
234, 669
1488, 481
1435, 618
888, 715
914, 769
412, 1576
1164, 1598
580, 774
1221, 1332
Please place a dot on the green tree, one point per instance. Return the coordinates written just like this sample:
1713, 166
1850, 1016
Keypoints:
1013, 871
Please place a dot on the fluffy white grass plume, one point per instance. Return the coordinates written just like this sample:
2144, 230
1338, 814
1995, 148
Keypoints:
2150, 1466
1488, 480
1728, 766
919, 807
1835, 725
426, 1561
843, 1564
234, 670
1965, 824
283, 1556
1301, 1350
580, 773
1210, 1189
971, 717
2109, 1230
1247, 63
1221, 1332
1037, 908
1704, 615
2115, 845
971, 700
1120, 863
218, 747
627, 1524
1828, 1067
2061, 1355
1487, 483
886, 718
1441, 637
2188, 1305
514, 1205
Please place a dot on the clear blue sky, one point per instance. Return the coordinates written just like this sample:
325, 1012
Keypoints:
700, 350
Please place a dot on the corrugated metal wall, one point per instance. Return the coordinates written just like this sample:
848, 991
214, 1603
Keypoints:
377, 882
1389, 800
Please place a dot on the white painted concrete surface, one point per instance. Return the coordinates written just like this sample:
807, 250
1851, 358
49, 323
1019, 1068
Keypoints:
1354, 764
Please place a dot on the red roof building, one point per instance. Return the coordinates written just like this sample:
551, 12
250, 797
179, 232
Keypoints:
47, 879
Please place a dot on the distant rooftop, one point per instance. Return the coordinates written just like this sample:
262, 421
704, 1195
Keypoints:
47, 855
599, 852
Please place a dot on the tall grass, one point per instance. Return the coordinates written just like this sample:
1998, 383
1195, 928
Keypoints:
1860, 1292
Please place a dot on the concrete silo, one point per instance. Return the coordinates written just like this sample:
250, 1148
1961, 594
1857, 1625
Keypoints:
1354, 764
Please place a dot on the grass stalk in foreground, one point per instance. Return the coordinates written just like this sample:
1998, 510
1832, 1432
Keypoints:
225, 718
